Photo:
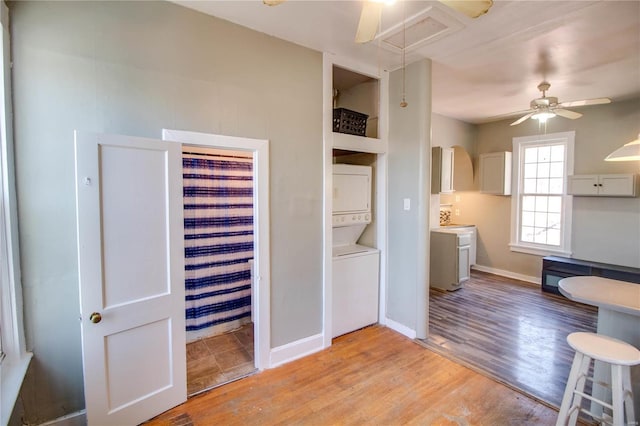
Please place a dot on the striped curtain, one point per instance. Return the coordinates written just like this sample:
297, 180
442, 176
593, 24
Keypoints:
218, 226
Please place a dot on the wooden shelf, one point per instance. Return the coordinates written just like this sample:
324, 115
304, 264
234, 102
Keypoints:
359, 143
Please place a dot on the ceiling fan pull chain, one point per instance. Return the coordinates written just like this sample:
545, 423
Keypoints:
404, 103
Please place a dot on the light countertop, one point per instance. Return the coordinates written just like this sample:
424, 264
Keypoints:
611, 294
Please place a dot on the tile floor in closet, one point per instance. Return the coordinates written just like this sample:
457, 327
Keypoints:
219, 359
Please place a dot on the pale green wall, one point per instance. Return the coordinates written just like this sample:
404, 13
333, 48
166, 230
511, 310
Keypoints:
409, 169
604, 229
134, 68
448, 132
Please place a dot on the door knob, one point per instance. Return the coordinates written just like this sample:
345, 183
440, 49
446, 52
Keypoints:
95, 317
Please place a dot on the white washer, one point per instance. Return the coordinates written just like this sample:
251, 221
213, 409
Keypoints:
355, 288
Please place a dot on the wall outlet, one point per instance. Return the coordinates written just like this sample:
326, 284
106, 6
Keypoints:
457, 212
457, 198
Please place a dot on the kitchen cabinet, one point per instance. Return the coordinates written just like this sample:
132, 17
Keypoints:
618, 185
495, 173
441, 170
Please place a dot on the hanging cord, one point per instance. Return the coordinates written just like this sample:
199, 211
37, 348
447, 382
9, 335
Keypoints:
404, 103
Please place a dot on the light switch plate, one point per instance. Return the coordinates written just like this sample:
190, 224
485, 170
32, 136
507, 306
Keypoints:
407, 203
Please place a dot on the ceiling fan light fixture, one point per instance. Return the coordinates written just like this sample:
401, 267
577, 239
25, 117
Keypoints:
543, 116
627, 152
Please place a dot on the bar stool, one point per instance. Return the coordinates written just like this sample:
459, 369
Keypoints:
620, 356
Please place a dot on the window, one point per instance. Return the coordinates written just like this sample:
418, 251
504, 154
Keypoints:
14, 360
540, 207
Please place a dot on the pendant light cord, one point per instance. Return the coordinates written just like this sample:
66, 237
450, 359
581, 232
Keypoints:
403, 104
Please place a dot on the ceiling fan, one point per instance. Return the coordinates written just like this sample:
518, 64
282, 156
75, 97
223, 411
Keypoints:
547, 106
372, 12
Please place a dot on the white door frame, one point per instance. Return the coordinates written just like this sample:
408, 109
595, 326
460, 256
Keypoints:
261, 282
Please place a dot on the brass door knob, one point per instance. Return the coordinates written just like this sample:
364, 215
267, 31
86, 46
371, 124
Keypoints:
95, 317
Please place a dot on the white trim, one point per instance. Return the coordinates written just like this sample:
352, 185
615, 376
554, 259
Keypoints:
568, 138
14, 366
539, 251
296, 350
78, 418
400, 328
507, 274
262, 261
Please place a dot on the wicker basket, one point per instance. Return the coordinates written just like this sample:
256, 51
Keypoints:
350, 122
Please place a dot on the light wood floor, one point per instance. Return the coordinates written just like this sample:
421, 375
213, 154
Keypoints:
509, 330
373, 376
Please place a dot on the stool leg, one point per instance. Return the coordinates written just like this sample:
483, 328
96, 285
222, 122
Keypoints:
579, 367
617, 395
627, 393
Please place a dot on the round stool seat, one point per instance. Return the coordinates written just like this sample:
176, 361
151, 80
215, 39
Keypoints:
604, 348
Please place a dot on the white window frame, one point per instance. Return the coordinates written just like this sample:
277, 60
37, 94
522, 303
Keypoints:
519, 144
15, 358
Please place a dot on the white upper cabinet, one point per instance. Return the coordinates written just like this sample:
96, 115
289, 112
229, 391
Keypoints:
618, 185
495, 173
441, 170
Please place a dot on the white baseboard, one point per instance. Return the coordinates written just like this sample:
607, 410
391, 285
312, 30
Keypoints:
508, 274
400, 328
79, 418
294, 350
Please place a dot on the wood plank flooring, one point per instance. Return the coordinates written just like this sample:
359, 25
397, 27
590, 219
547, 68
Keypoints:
373, 376
509, 330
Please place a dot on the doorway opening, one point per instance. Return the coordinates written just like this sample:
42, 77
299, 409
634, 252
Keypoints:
219, 251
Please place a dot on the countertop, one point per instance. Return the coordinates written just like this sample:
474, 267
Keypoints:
615, 295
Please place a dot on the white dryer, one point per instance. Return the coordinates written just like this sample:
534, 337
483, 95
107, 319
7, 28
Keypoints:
355, 267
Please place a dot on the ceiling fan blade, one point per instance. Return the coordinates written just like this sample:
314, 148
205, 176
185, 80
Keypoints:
567, 114
472, 9
521, 119
596, 101
273, 2
369, 21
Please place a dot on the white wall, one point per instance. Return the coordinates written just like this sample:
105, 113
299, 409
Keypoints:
409, 177
135, 68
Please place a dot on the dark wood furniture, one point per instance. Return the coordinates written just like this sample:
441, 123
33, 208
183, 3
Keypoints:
555, 268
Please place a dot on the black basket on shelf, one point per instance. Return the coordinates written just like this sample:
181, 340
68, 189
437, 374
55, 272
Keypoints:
350, 122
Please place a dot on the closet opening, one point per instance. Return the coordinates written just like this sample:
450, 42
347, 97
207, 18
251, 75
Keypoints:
219, 238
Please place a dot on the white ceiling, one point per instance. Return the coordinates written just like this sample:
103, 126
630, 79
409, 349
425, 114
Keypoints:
488, 68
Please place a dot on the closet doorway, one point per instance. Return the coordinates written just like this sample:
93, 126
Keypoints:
218, 245
225, 189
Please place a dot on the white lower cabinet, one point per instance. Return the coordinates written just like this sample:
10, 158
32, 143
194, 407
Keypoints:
612, 185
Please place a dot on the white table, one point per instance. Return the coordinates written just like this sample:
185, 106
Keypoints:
618, 305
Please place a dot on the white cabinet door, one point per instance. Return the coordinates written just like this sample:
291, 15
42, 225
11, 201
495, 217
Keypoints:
441, 170
446, 183
495, 173
583, 185
616, 185
464, 263
130, 244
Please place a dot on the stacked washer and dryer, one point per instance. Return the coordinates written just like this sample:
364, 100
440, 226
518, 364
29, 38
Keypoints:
355, 266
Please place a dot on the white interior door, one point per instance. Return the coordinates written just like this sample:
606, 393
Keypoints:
131, 264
